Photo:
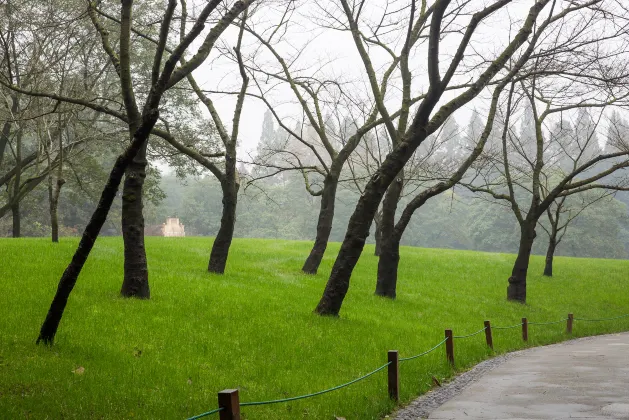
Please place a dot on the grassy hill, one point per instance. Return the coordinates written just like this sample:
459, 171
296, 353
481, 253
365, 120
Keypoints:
253, 328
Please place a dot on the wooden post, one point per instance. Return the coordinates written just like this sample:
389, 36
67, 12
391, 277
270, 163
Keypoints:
569, 323
394, 375
450, 347
230, 404
488, 338
525, 329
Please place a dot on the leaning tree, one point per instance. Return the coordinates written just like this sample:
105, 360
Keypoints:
166, 72
518, 48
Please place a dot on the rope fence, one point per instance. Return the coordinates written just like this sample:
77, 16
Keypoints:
229, 402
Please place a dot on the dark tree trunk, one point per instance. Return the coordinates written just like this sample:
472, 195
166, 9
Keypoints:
223, 240
388, 267
71, 273
15, 212
136, 277
378, 234
390, 251
15, 207
359, 224
324, 225
550, 254
54, 206
517, 282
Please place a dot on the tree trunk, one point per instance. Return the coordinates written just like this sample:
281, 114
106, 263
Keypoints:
388, 267
136, 277
15, 207
54, 190
390, 251
324, 225
550, 254
71, 273
223, 240
359, 224
517, 282
15, 212
378, 234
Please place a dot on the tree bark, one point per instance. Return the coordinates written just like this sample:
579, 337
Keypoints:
15, 212
390, 251
71, 273
15, 207
136, 277
388, 267
550, 254
324, 225
378, 234
516, 291
54, 190
223, 240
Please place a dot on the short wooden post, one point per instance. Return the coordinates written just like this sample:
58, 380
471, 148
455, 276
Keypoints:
488, 338
525, 329
229, 402
569, 323
450, 347
394, 375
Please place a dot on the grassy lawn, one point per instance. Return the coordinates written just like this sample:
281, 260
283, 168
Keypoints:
253, 328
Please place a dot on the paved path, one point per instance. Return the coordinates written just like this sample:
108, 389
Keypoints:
579, 379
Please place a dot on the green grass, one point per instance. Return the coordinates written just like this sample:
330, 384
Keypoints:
253, 328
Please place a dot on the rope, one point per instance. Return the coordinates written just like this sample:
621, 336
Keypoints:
470, 335
198, 416
315, 393
421, 354
506, 328
548, 323
602, 319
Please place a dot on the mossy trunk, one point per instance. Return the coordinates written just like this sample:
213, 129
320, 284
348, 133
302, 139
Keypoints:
324, 225
516, 291
136, 279
390, 241
388, 263
223, 240
550, 254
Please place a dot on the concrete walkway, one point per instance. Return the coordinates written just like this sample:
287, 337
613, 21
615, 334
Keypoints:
580, 379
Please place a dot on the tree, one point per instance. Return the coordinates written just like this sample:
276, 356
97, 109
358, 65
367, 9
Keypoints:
451, 175
425, 121
334, 123
165, 73
542, 182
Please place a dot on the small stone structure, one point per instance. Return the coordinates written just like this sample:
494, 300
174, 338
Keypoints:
172, 227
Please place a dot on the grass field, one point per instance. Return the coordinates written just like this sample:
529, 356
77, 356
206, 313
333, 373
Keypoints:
253, 328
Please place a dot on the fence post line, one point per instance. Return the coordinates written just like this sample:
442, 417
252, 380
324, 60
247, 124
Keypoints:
525, 329
394, 375
229, 402
450, 347
488, 337
569, 323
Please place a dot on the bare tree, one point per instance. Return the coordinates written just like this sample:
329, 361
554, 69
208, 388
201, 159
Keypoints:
531, 174
426, 121
165, 73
